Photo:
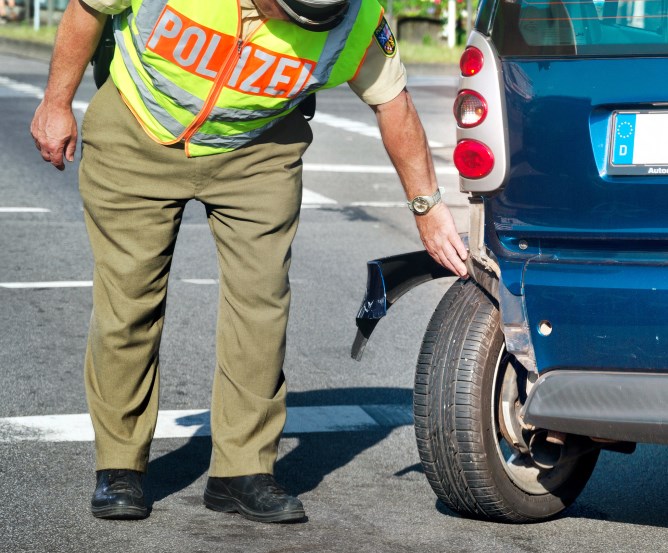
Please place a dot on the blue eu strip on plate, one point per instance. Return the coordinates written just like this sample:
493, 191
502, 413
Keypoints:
624, 138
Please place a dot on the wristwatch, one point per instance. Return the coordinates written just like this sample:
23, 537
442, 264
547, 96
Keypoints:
422, 204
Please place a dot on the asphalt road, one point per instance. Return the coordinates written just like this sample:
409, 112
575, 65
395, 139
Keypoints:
349, 451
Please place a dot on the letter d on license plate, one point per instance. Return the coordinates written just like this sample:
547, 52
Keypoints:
638, 143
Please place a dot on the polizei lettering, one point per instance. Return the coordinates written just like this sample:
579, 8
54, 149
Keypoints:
259, 71
657, 171
203, 51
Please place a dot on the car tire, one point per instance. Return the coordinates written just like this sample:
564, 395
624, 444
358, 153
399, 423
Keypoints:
472, 469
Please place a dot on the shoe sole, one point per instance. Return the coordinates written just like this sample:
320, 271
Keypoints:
226, 504
120, 512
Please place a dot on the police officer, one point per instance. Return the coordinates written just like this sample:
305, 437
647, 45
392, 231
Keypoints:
202, 104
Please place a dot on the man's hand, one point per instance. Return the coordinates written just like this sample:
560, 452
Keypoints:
54, 131
441, 240
54, 128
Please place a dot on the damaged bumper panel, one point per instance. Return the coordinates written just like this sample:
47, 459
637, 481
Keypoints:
388, 279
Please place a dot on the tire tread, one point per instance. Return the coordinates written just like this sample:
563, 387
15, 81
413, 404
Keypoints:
461, 335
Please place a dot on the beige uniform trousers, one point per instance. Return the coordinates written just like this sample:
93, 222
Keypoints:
134, 192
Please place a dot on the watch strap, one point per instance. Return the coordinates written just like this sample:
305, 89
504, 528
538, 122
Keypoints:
430, 202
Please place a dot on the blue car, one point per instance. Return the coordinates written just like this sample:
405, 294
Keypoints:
557, 346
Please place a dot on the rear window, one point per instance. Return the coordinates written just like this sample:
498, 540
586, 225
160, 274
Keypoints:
580, 27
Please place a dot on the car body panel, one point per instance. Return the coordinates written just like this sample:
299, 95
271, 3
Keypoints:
559, 113
579, 243
599, 315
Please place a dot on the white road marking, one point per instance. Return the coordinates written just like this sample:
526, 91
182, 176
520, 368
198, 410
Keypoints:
32, 91
22, 88
378, 204
356, 127
433, 80
189, 423
53, 284
378, 169
24, 210
321, 118
81, 106
86, 283
309, 198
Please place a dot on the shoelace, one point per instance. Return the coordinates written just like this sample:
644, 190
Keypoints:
272, 486
118, 481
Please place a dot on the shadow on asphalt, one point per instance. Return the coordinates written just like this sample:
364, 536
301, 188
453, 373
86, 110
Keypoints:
628, 489
305, 466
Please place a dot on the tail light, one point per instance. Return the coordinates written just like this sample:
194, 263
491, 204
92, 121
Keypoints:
470, 109
471, 61
473, 159
481, 155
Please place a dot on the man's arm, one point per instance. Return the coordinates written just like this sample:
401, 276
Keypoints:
54, 127
406, 143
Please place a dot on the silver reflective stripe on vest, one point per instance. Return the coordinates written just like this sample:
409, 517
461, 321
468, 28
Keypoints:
149, 11
336, 41
225, 115
163, 117
187, 101
232, 142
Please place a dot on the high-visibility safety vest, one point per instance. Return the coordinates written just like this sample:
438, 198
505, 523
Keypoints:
184, 71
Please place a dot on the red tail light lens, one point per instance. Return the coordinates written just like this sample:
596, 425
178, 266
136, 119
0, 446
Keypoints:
473, 159
470, 109
471, 62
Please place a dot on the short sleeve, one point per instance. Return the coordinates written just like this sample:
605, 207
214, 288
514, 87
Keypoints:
110, 7
382, 75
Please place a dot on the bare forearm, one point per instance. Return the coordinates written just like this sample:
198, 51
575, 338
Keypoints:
406, 144
78, 35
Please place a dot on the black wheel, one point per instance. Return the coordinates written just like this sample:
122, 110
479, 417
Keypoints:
468, 392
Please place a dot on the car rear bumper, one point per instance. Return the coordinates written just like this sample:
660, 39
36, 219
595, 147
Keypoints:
629, 407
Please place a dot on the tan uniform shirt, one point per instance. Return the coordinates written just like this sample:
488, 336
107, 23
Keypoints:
379, 80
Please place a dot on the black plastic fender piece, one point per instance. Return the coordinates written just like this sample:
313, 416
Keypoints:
388, 279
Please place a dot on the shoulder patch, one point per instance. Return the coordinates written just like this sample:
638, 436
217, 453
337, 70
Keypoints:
385, 39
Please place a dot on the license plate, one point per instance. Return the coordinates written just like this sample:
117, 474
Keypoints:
639, 143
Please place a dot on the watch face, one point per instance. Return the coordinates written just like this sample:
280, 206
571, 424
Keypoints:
420, 205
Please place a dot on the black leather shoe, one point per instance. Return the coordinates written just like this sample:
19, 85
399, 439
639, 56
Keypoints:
257, 497
119, 495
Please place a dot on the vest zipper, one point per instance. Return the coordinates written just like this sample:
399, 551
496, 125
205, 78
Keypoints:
218, 84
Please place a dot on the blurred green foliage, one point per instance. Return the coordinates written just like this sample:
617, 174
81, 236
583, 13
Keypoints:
435, 9
435, 52
25, 31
